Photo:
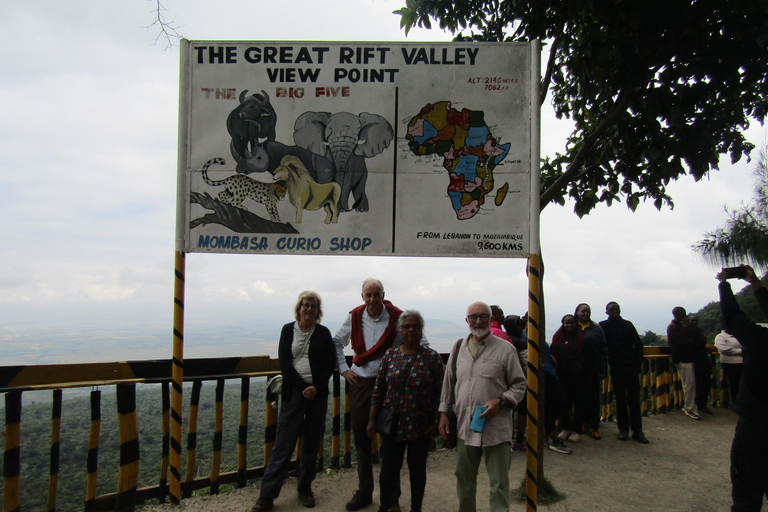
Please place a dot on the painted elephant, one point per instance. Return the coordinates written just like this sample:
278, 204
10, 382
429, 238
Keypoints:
348, 140
254, 119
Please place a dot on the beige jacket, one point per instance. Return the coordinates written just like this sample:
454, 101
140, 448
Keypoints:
494, 372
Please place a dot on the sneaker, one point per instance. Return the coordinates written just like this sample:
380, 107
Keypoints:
573, 437
623, 435
307, 498
706, 410
560, 447
692, 414
564, 435
263, 504
640, 437
359, 500
595, 434
518, 447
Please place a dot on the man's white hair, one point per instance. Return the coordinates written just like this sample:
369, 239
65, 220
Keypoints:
370, 279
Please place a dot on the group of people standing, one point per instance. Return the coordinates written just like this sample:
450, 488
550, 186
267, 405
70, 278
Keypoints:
398, 387
691, 358
576, 365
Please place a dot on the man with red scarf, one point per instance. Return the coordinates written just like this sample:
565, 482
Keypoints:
371, 328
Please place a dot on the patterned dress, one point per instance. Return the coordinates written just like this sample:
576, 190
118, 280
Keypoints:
410, 385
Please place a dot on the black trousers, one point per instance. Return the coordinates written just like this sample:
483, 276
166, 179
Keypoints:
703, 371
298, 417
574, 395
359, 409
592, 402
733, 376
626, 389
554, 405
393, 453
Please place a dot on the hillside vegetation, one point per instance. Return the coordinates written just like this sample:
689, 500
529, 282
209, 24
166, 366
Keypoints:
75, 425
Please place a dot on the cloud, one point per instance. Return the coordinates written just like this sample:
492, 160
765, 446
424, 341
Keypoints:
88, 144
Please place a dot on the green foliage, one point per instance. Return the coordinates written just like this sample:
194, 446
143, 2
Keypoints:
711, 319
75, 427
547, 494
744, 239
657, 90
651, 339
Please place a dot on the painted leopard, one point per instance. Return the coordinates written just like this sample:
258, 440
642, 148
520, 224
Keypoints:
240, 186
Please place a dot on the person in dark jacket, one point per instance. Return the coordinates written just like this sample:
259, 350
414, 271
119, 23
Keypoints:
570, 352
749, 451
596, 360
683, 353
702, 365
307, 359
625, 356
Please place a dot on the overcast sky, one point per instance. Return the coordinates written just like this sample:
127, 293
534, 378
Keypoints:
88, 138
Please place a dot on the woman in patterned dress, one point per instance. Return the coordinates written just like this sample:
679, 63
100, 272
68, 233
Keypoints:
409, 384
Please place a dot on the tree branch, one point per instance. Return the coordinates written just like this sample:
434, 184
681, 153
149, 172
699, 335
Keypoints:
169, 31
239, 221
588, 143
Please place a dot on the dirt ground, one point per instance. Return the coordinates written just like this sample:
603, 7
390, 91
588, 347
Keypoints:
685, 468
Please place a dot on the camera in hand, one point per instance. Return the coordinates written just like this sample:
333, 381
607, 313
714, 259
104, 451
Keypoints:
735, 272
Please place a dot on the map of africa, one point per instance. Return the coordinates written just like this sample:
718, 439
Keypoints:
469, 151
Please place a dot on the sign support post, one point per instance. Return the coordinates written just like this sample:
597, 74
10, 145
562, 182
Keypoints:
534, 466
177, 371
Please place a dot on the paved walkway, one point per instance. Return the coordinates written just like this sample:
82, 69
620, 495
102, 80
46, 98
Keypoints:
684, 469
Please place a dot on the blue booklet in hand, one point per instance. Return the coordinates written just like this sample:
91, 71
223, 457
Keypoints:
478, 423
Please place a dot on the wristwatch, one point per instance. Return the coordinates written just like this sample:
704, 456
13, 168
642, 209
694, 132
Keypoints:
503, 402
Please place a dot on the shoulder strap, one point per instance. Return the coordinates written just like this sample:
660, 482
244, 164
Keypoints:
304, 347
454, 357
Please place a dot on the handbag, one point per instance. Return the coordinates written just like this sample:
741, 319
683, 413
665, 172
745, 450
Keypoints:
386, 422
452, 420
275, 384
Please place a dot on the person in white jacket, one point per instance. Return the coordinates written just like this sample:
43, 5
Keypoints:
730, 359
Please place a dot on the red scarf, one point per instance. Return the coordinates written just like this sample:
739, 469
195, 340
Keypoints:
560, 335
362, 356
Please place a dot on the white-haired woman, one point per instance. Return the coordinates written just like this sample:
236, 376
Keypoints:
307, 360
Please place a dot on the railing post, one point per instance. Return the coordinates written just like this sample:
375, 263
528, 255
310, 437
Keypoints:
724, 388
713, 377
646, 378
336, 432
128, 428
662, 385
93, 450
242, 433
53, 478
270, 425
194, 404
347, 428
217, 435
163, 485
12, 453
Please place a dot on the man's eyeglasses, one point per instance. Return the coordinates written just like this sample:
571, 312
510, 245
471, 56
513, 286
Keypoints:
408, 327
473, 318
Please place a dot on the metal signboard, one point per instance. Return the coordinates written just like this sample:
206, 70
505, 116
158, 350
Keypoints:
356, 148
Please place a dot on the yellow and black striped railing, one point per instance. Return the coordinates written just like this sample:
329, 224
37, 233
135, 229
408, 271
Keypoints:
659, 395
